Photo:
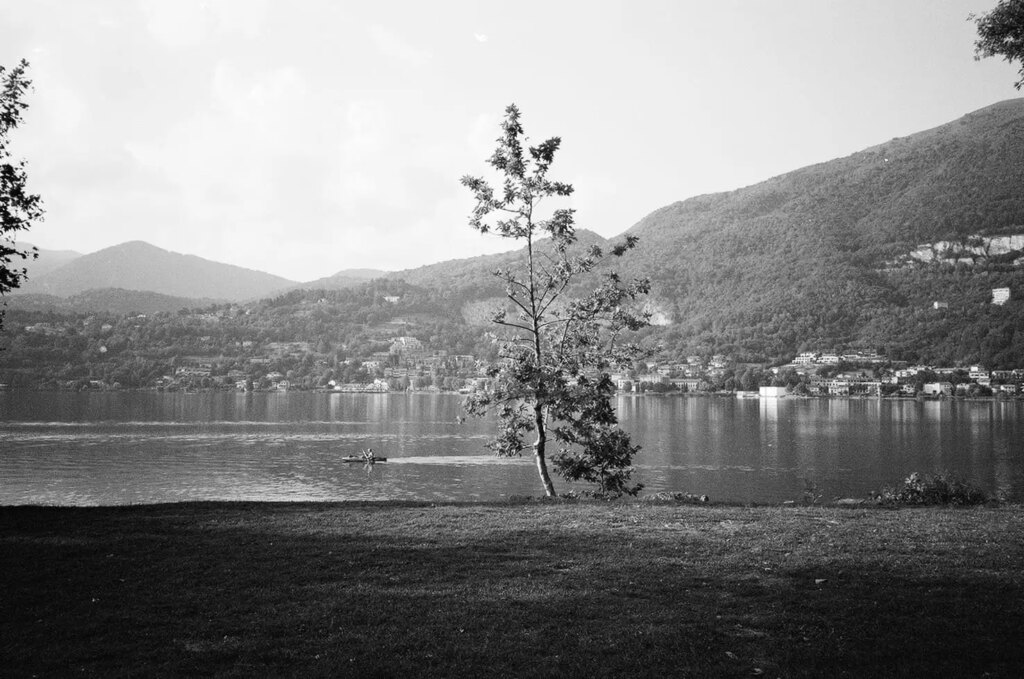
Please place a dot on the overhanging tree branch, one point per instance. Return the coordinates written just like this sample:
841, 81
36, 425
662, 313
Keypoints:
19, 209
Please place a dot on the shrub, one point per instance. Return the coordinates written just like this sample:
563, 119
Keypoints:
811, 494
939, 489
680, 498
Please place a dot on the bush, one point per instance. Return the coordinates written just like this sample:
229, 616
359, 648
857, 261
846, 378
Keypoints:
939, 489
679, 498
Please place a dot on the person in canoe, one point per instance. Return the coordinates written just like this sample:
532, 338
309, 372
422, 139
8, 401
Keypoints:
368, 456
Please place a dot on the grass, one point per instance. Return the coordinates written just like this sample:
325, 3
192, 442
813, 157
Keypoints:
523, 589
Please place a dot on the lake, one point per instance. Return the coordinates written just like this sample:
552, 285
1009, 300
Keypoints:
103, 448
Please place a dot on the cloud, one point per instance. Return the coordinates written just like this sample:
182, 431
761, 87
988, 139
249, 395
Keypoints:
62, 108
301, 180
247, 166
189, 129
391, 45
480, 37
179, 24
185, 23
483, 134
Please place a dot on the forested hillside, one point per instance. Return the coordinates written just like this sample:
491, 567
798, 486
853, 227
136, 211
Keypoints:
818, 258
109, 300
805, 260
308, 336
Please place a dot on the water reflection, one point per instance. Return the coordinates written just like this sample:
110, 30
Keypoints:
109, 448
766, 450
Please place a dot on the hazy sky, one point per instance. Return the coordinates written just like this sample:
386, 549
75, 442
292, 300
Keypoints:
308, 136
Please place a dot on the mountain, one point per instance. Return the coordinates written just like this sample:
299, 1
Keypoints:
896, 248
143, 267
821, 257
48, 260
112, 300
472, 277
347, 278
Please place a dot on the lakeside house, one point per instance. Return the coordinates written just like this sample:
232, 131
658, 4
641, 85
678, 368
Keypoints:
772, 392
937, 389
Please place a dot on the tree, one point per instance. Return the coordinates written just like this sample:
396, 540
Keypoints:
1001, 33
18, 209
551, 378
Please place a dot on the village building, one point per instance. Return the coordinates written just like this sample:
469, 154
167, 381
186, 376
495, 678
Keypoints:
937, 389
978, 373
772, 392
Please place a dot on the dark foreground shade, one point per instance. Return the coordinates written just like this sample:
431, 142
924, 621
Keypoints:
531, 589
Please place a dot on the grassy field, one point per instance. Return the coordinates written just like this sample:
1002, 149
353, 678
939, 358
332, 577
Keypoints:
529, 589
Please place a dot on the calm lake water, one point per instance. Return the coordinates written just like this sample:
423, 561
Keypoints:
145, 447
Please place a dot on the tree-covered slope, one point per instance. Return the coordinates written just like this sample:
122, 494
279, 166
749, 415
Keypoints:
110, 300
807, 259
473, 278
961, 178
818, 257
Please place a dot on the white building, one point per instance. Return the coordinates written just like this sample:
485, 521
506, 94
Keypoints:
772, 392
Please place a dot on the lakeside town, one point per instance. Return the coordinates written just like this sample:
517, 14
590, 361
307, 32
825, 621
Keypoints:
232, 347
408, 365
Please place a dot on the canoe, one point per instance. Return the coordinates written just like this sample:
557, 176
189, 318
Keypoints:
360, 458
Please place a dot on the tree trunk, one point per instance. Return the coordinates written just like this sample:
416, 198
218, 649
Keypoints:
538, 452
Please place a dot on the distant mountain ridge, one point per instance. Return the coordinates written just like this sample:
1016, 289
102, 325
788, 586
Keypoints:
48, 260
137, 265
112, 300
473, 276
347, 278
166, 277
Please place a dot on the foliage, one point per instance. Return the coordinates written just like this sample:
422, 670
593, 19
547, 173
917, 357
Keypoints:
939, 489
552, 376
1001, 33
18, 208
811, 494
54, 346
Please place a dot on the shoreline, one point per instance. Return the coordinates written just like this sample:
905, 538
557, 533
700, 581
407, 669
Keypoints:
670, 394
684, 500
